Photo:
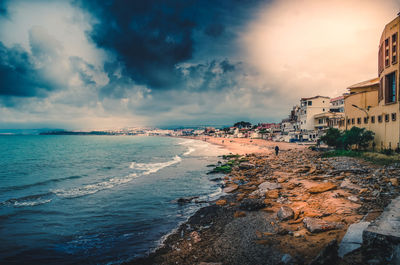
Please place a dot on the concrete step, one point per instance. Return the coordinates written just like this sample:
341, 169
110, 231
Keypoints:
381, 240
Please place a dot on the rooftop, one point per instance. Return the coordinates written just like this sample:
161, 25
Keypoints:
368, 83
313, 97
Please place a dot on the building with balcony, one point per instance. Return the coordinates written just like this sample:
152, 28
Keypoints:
374, 104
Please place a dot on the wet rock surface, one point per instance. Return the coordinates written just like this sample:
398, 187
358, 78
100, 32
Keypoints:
252, 224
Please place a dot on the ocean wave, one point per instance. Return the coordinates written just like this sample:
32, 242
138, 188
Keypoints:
38, 199
149, 168
40, 183
30, 200
188, 152
93, 188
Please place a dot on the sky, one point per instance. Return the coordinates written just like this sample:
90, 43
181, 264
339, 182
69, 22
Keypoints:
102, 64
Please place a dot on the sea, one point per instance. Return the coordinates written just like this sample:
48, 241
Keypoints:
97, 199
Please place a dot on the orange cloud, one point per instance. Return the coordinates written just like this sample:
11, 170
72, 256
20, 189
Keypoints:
305, 48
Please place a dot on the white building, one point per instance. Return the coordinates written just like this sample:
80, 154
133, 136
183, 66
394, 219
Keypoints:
309, 107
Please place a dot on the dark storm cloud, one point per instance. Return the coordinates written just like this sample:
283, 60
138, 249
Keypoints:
18, 75
214, 30
152, 37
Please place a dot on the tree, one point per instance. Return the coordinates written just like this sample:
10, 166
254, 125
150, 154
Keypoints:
242, 124
333, 137
360, 137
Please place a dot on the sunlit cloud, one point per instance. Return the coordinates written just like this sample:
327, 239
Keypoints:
308, 47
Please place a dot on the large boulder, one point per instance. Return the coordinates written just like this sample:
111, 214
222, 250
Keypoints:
285, 213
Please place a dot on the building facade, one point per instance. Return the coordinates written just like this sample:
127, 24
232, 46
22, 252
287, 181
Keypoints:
309, 107
374, 104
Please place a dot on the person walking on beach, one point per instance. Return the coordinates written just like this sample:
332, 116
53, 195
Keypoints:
276, 150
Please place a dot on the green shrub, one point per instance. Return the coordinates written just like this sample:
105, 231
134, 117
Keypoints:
359, 137
387, 151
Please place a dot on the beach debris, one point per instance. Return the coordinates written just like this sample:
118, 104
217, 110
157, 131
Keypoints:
249, 204
394, 181
221, 202
195, 237
285, 213
239, 214
322, 187
315, 225
210, 263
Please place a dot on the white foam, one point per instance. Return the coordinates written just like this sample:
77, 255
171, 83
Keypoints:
149, 168
93, 188
188, 152
30, 203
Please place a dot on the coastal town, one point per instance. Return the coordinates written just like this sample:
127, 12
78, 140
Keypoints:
301, 206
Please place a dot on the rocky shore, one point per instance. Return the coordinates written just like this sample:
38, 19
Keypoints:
294, 208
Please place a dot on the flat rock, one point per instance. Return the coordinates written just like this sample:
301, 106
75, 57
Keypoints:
266, 186
352, 240
246, 165
322, 187
231, 188
346, 184
285, 213
315, 225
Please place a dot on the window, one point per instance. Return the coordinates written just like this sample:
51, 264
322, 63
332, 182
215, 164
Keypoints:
390, 87
394, 48
323, 109
393, 116
309, 103
380, 118
320, 121
358, 120
352, 121
348, 121
387, 52
372, 119
387, 117
365, 120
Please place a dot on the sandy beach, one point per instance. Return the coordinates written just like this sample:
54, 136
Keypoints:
243, 146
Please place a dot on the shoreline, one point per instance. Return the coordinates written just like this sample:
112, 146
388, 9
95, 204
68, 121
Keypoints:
226, 232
